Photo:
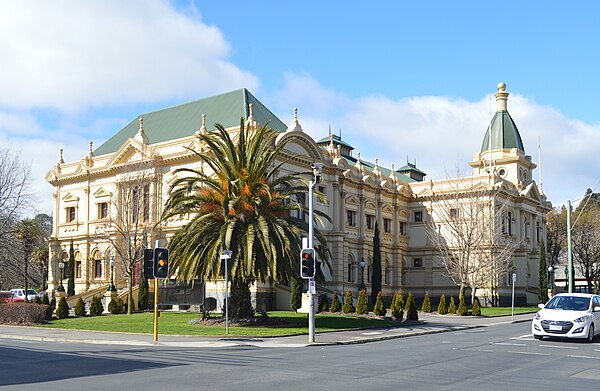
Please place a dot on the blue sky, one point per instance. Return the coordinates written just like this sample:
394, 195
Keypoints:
398, 79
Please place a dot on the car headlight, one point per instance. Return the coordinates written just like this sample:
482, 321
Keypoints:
582, 319
537, 316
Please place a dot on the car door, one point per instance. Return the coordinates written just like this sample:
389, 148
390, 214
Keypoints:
596, 313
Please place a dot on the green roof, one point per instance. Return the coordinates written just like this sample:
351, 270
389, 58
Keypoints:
505, 134
336, 140
185, 119
384, 171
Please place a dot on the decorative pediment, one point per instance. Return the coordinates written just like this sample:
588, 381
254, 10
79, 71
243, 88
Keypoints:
387, 209
370, 205
70, 197
531, 191
405, 191
102, 193
352, 200
131, 150
351, 173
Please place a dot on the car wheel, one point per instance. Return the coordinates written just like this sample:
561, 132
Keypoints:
590, 337
537, 336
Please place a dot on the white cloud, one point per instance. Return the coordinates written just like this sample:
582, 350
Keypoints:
73, 55
438, 131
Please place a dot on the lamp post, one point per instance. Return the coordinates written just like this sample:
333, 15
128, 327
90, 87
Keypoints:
362, 273
111, 286
566, 277
61, 266
550, 281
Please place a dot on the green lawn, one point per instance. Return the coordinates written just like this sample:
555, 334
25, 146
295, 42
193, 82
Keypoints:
499, 311
176, 323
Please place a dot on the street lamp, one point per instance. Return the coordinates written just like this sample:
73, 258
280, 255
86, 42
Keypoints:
362, 273
61, 266
550, 274
566, 277
111, 286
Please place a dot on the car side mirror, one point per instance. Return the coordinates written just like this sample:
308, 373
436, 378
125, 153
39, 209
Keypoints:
540, 305
596, 309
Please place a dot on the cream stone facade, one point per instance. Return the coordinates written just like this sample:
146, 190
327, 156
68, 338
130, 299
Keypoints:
88, 194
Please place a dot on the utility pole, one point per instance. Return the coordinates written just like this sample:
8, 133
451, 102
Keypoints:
317, 170
570, 250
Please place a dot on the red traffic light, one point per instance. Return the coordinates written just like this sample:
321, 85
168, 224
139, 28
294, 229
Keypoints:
307, 263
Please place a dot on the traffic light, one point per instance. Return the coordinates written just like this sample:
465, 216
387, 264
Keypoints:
307, 263
161, 263
149, 263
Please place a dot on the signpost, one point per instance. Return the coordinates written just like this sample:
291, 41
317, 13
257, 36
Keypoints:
514, 279
225, 257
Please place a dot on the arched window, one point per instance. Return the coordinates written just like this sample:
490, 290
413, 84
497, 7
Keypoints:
509, 222
78, 272
97, 264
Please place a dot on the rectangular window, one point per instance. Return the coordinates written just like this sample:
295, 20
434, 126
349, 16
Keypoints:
78, 269
146, 204
402, 228
97, 268
370, 222
417, 262
103, 210
418, 216
70, 214
387, 225
322, 189
350, 273
351, 218
453, 213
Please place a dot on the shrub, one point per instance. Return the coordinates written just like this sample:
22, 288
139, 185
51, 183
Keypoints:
80, 308
50, 309
442, 308
476, 311
361, 306
116, 306
411, 308
426, 306
144, 294
22, 313
452, 306
37, 300
348, 304
397, 306
323, 303
53, 303
462, 307
96, 307
62, 311
379, 308
45, 300
296, 295
336, 305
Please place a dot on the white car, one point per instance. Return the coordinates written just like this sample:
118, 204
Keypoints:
568, 315
20, 294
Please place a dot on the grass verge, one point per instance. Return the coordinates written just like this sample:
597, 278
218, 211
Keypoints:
501, 311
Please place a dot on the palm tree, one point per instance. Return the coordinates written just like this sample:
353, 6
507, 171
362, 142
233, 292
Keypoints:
242, 205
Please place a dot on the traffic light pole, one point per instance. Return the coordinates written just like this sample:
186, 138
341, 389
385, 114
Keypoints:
311, 281
157, 245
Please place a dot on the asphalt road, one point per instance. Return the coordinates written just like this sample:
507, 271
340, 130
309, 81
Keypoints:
501, 357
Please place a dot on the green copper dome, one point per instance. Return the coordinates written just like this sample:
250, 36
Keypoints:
504, 133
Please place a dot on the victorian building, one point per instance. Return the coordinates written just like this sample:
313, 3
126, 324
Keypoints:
92, 193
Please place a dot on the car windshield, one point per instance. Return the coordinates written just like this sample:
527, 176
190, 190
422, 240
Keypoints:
31, 292
569, 303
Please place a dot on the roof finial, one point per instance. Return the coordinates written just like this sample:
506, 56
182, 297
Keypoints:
141, 135
393, 173
501, 97
60, 159
358, 164
251, 122
202, 129
376, 168
295, 125
91, 147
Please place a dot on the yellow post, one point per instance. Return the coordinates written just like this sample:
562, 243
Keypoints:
155, 310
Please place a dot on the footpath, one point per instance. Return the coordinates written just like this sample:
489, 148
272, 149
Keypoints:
428, 324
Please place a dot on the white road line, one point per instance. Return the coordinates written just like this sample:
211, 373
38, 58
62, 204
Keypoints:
532, 353
478, 350
574, 356
558, 347
509, 344
522, 336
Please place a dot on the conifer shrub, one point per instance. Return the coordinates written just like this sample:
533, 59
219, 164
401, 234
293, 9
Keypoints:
80, 308
348, 307
116, 306
49, 309
426, 306
397, 306
296, 294
96, 308
462, 307
53, 302
362, 306
336, 305
442, 308
452, 306
37, 300
45, 300
379, 308
323, 303
411, 308
476, 311
143, 295
62, 311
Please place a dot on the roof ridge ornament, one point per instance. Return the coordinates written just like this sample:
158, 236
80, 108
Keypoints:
141, 135
501, 97
393, 173
376, 168
60, 161
202, 129
295, 125
250, 122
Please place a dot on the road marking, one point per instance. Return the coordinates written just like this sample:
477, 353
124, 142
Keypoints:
532, 353
509, 344
478, 350
372, 333
522, 336
558, 347
575, 356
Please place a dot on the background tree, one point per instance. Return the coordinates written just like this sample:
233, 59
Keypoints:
586, 244
296, 294
542, 275
556, 235
470, 228
144, 293
239, 201
16, 199
30, 236
376, 266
